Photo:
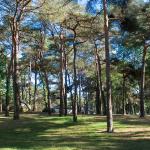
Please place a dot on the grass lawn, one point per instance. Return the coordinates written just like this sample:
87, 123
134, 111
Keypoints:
42, 132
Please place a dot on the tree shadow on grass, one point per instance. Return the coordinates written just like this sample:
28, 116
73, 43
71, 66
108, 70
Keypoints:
60, 133
135, 121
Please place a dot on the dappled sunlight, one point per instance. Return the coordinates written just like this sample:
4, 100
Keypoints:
89, 133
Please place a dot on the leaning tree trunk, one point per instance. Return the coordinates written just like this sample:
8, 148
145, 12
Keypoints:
142, 83
108, 76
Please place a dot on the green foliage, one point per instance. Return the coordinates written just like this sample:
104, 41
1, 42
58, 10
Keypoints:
2, 71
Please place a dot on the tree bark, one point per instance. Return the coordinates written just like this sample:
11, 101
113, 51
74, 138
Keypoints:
35, 91
98, 91
1, 104
66, 85
71, 93
79, 102
75, 85
48, 92
62, 88
103, 100
15, 24
44, 90
29, 81
87, 103
142, 83
15, 43
124, 95
108, 76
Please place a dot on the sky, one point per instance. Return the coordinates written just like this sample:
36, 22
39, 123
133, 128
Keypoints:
82, 2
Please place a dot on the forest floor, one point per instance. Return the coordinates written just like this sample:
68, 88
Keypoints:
42, 132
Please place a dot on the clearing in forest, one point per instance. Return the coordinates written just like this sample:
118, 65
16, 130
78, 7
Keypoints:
42, 132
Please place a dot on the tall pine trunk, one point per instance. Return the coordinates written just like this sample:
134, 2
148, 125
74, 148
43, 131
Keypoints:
62, 88
142, 83
35, 91
124, 95
70, 90
15, 43
75, 84
98, 92
29, 81
1, 104
66, 85
79, 102
108, 75
48, 93
44, 89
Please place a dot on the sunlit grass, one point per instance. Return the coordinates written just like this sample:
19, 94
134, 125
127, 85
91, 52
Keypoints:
42, 132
